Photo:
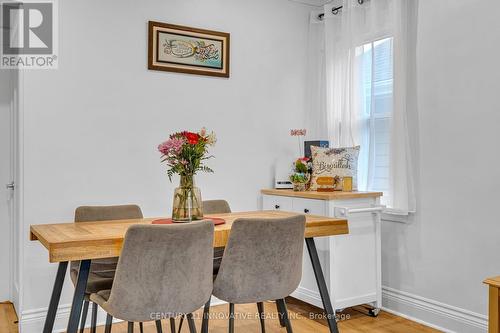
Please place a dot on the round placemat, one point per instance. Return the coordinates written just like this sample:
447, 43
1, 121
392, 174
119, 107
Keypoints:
216, 221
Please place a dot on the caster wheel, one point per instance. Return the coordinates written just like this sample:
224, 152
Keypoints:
373, 312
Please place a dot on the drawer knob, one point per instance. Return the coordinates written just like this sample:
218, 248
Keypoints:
306, 210
277, 206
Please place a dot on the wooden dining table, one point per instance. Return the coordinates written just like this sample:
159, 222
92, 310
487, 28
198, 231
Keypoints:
104, 239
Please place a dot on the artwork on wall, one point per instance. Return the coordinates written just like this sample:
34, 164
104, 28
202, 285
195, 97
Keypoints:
176, 48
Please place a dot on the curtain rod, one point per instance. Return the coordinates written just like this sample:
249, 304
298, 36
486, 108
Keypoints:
335, 10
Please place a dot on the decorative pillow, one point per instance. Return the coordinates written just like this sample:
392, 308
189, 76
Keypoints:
331, 164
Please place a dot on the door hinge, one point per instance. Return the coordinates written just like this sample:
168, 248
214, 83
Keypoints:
10, 186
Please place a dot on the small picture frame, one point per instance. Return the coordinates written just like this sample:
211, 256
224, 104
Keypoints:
176, 48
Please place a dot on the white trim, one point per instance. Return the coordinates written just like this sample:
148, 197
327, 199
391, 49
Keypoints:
402, 315
308, 296
428, 312
314, 298
399, 218
19, 192
10, 202
444, 317
431, 313
32, 321
214, 301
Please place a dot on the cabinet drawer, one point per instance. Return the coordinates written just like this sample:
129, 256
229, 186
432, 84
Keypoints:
309, 206
272, 202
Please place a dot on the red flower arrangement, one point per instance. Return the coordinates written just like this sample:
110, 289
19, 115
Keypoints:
185, 151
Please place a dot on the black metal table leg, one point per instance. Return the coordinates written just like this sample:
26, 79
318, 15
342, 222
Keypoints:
323, 290
78, 296
54, 299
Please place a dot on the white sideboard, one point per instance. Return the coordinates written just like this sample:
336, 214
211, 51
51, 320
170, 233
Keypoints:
351, 263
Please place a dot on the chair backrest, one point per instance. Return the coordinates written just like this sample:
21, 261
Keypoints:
104, 267
216, 207
262, 260
163, 270
103, 213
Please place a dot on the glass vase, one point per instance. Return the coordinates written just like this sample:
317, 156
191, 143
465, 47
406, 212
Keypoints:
299, 187
187, 204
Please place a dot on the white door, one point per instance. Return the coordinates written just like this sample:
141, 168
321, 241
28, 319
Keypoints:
6, 177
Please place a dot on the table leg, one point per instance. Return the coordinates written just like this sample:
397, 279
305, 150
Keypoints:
494, 310
78, 296
54, 299
323, 290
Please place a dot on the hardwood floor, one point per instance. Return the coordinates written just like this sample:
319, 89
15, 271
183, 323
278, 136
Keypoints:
305, 318
8, 318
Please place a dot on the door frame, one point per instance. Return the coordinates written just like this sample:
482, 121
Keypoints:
16, 225
9, 196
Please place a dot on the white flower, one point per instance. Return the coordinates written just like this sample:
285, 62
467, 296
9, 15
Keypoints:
211, 139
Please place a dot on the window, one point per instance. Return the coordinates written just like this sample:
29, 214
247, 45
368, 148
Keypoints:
376, 74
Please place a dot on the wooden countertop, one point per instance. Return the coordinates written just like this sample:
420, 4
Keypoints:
337, 195
104, 239
493, 281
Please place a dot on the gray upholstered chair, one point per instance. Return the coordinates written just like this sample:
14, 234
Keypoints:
163, 270
101, 270
213, 207
216, 207
262, 261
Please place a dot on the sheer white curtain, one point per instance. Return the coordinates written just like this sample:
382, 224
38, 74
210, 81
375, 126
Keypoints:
359, 43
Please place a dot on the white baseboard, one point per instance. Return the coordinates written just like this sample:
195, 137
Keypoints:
215, 301
441, 316
313, 297
308, 296
32, 321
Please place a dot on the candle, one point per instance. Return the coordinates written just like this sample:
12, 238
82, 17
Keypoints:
347, 184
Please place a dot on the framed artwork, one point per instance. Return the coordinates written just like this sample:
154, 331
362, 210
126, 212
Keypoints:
175, 48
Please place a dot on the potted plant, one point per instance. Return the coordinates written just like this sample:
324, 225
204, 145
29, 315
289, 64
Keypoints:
184, 153
300, 175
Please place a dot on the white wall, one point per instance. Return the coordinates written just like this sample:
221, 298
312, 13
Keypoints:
452, 244
91, 127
